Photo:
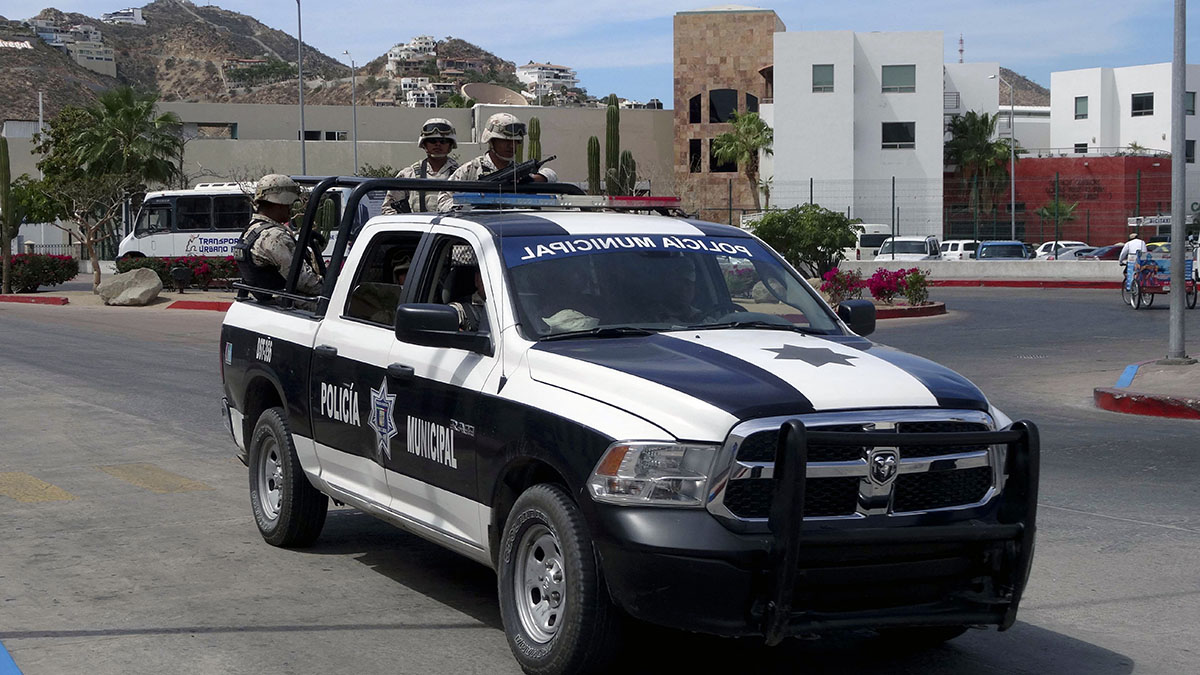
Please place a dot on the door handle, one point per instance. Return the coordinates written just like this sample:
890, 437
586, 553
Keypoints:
325, 350
400, 371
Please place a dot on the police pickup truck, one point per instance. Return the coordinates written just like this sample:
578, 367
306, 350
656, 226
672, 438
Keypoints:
650, 418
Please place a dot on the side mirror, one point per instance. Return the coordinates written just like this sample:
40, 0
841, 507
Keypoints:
859, 315
432, 325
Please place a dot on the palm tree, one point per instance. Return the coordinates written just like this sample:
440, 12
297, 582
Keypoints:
126, 136
749, 137
982, 160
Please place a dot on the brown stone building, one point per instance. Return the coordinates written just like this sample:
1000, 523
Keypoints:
722, 58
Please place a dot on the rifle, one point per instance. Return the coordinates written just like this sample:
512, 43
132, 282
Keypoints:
517, 173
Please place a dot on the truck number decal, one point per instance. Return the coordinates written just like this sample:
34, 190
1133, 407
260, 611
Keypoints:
263, 353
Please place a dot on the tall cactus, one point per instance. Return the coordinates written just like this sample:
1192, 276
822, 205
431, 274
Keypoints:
593, 159
628, 173
612, 147
535, 138
7, 218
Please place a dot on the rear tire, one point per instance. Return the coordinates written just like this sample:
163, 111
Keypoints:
288, 510
1191, 294
1135, 296
557, 613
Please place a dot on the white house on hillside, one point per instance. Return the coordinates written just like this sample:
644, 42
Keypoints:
544, 78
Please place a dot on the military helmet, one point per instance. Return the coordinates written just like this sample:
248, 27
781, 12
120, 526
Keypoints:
276, 188
437, 127
503, 125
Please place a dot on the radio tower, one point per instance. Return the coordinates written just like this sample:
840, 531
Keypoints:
960, 48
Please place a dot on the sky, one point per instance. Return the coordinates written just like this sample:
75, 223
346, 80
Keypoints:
625, 46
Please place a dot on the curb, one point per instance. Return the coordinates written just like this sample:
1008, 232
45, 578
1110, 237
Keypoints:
35, 299
215, 305
933, 309
1134, 403
1120, 399
1025, 283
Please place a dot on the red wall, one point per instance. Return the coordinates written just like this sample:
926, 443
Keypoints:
1106, 189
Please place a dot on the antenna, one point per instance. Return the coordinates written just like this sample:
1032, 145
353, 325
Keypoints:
960, 48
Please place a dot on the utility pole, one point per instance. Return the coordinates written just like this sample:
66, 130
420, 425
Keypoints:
353, 112
300, 74
1175, 349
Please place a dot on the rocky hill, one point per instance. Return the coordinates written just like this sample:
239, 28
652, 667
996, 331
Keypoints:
1025, 90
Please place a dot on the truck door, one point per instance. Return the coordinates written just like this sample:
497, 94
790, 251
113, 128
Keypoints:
351, 398
443, 396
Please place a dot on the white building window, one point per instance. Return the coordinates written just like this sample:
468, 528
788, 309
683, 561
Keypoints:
336, 135
1189, 152
899, 135
1142, 105
900, 79
1081, 107
1081, 148
1189, 103
822, 76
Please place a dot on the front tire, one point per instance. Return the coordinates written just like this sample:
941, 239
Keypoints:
556, 610
288, 510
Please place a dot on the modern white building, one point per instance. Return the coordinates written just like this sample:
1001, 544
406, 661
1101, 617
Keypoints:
420, 98
543, 78
131, 15
420, 48
854, 112
1104, 110
408, 84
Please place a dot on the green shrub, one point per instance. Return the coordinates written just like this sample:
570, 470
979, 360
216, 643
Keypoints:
916, 287
205, 270
31, 271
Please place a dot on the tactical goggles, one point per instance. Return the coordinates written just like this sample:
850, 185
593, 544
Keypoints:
514, 129
437, 129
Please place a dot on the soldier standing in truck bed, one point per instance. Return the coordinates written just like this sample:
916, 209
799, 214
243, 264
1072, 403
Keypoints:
438, 140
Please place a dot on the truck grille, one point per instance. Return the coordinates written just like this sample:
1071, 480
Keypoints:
838, 483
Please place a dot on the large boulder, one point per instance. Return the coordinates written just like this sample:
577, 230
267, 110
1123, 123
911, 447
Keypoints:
135, 287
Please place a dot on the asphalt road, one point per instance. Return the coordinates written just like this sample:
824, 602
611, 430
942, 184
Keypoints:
128, 546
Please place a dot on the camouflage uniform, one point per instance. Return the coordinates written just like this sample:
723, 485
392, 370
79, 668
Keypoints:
275, 248
472, 170
391, 203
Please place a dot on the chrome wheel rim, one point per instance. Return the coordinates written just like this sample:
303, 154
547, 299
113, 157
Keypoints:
270, 479
539, 583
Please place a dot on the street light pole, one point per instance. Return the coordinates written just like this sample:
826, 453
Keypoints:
1012, 157
300, 77
353, 112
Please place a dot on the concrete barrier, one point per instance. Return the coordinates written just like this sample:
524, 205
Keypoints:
984, 270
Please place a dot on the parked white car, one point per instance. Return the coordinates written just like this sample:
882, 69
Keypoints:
912, 248
959, 249
1047, 247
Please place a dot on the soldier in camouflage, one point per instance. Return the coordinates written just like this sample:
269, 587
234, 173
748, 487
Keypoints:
502, 133
438, 140
271, 242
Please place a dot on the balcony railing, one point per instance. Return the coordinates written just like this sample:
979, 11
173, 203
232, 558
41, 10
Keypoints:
951, 100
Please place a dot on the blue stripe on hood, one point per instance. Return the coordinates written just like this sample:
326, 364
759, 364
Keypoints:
723, 381
951, 389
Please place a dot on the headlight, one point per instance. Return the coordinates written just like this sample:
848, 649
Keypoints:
653, 474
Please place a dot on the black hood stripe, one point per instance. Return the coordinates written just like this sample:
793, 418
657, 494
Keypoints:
719, 379
949, 388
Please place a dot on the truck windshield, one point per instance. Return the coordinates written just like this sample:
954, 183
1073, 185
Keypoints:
903, 247
584, 284
872, 240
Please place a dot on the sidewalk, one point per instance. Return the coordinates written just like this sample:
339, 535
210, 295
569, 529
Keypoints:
1149, 388
168, 299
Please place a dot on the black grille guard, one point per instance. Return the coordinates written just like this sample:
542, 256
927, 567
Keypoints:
1015, 521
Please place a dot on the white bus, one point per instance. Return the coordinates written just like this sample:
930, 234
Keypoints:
208, 219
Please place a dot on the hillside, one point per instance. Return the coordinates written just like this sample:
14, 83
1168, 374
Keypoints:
1025, 90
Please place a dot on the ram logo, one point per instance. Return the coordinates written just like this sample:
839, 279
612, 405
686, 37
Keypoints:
883, 466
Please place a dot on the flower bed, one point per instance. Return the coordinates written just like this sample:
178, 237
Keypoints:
206, 271
30, 271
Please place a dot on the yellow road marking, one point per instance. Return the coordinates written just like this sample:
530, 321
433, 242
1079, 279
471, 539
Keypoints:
153, 478
25, 488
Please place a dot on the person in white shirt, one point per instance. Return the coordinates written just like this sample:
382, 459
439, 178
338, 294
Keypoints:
1131, 248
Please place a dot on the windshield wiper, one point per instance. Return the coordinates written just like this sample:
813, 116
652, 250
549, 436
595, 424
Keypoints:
602, 332
758, 323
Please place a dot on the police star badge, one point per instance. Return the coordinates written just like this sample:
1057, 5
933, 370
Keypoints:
381, 420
